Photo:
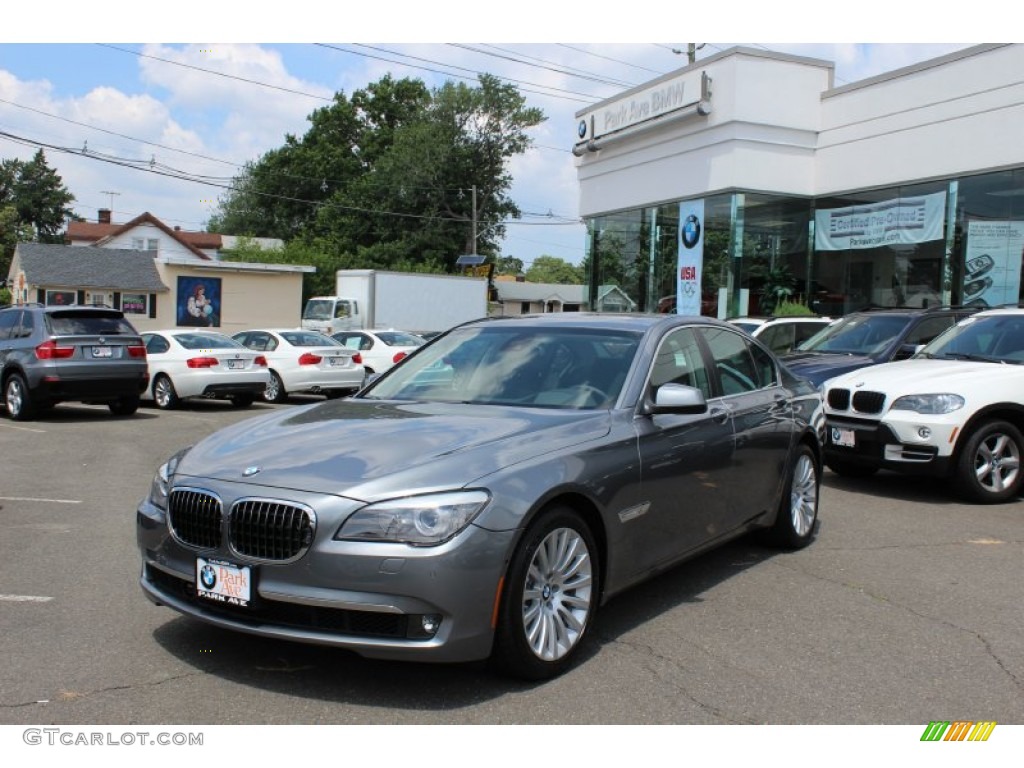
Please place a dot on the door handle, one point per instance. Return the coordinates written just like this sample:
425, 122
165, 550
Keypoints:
720, 414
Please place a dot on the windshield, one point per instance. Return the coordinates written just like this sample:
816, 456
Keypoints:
857, 335
309, 339
505, 364
399, 339
206, 341
993, 338
318, 309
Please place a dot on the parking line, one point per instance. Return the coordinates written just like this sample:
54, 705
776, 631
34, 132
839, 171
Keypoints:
45, 501
24, 599
23, 429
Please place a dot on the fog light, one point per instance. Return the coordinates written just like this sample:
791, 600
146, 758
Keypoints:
423, 627
924, 432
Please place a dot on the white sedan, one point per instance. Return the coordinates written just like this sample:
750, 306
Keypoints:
304, 361
380, 350
195, 363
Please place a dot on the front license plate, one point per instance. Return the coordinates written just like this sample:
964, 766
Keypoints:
223, 582
102, 352
844, 438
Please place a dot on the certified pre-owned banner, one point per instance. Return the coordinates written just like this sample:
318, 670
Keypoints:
904, 220
691, 257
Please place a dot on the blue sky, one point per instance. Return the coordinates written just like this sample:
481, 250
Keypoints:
205, 108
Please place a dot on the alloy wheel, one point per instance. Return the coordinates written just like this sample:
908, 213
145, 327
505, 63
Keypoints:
997, 462
557, 595
803, 503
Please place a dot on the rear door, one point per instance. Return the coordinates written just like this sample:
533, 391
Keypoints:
761, 411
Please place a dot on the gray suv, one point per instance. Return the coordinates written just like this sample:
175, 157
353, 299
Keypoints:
79, 353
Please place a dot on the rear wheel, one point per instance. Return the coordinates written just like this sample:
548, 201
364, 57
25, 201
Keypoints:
275, 391
17, 399
550, 597
798, 509
164, 394
124, 406
988, 470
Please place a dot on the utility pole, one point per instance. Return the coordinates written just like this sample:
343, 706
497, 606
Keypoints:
691, 51
474, 220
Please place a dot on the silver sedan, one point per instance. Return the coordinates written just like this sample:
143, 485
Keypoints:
484, 498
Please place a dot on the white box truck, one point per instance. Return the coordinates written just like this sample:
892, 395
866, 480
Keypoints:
408, 301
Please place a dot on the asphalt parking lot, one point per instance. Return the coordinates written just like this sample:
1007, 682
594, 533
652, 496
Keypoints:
905, 610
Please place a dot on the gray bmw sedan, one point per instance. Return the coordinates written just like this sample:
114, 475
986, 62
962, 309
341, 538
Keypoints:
484, 497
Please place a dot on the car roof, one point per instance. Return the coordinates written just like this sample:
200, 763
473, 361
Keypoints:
614, 321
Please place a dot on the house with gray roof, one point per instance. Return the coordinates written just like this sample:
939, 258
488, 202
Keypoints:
62, 274
517, 297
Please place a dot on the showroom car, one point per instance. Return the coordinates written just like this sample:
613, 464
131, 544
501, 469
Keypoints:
485, 497
955, 410
870, 337
186, 363
380, 349
304, 361
55, 354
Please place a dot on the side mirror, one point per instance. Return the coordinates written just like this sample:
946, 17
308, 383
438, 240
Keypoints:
907, 351
677, 398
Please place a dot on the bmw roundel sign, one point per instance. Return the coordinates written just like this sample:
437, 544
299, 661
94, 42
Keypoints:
581, 129
691, 231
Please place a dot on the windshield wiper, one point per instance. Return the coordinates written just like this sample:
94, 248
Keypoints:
967, 356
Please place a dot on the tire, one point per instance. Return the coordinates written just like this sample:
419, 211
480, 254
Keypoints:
850, 469
17, 399
796, 522
164, 394
988, 469
550, 597
242, 401
125, 406
275, 391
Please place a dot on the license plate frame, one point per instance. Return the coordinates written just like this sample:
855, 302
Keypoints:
222, 582
843, 438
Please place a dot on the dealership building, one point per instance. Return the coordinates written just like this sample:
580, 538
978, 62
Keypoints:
750, 173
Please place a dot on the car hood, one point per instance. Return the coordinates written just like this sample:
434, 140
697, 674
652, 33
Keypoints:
925, 376
820, 366
369, 450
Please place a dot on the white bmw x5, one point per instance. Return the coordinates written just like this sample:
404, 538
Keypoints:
956, 410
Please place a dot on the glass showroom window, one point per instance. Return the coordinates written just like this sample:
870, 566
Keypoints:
774, 262
987, 247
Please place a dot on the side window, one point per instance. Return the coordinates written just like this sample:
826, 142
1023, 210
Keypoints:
767, 374
679, 361
342, 309
779, 338
734, 364
928, 329
365, 342
267, 342
157, 345
8, 321
24, 331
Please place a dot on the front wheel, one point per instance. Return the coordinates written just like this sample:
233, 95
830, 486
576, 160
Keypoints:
988, 470
550, 597
798, 509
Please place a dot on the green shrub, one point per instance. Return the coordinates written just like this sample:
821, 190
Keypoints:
792, 309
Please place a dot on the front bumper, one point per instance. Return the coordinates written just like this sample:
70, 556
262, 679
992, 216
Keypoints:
897, 445
369, 598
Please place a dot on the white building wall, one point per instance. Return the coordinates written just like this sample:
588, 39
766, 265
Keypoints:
955, 115
761, 134
167, 246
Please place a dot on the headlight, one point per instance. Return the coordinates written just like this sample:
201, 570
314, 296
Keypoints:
419, 520
941, 403
162, 479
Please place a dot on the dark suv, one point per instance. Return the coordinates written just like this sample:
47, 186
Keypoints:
80, 353
869, 337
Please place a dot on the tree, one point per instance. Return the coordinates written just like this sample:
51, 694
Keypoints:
551, 269
389, 178
34, 204
508, 265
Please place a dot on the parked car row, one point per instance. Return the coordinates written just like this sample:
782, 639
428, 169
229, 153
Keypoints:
93, 354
